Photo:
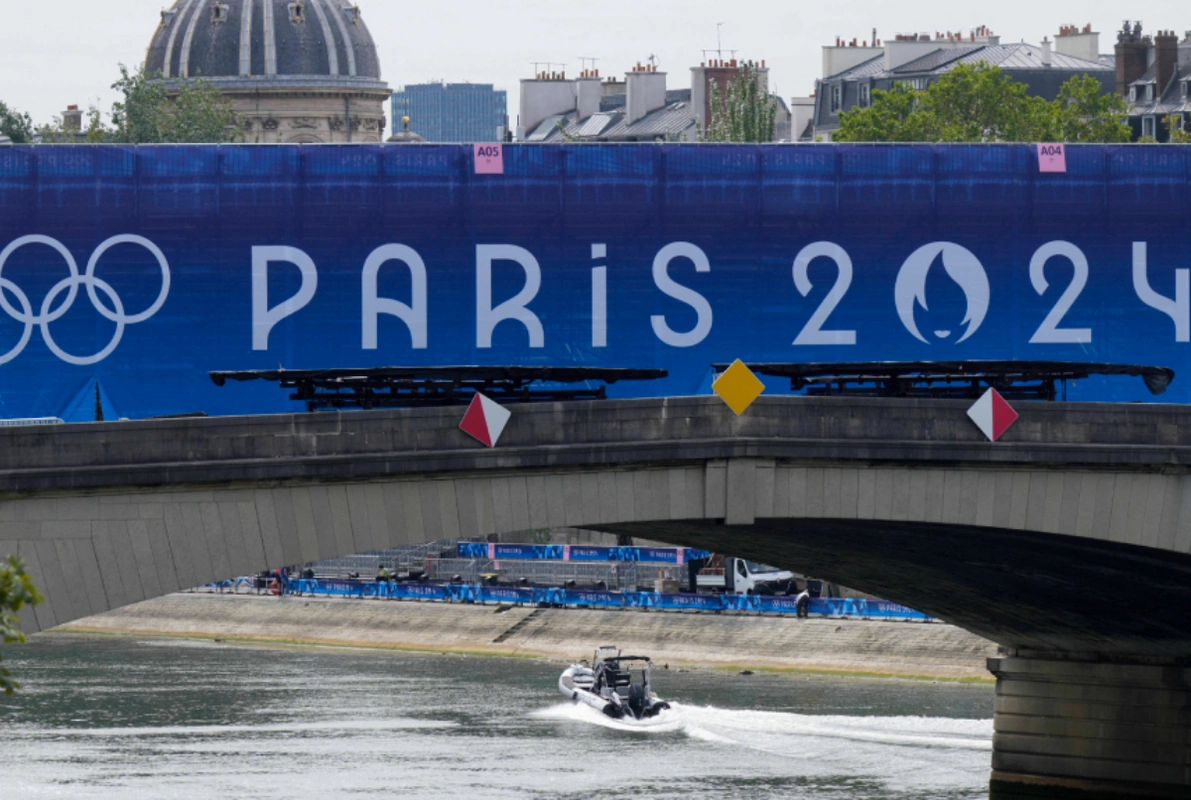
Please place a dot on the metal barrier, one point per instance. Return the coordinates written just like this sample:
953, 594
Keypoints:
615, 576
582, 598
576, 552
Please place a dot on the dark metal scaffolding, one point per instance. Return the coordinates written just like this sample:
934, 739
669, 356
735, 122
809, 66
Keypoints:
410, 387
1015, 380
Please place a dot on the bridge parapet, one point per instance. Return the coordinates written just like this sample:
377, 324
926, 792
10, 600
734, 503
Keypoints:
354, 445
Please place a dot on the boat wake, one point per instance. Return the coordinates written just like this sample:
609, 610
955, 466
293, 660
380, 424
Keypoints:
788, 734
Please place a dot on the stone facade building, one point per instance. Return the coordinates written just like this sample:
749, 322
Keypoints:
298, 71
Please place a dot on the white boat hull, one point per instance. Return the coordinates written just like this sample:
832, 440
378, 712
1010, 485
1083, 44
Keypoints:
577, 683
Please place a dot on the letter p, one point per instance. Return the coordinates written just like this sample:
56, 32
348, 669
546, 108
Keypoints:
263, 317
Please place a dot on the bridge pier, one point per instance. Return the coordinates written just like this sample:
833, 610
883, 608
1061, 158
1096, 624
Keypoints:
1090, 728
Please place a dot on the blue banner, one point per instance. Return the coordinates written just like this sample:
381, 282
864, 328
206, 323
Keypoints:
583, 553
130, 273
585, 598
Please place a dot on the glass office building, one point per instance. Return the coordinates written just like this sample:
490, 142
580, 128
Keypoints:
453, 112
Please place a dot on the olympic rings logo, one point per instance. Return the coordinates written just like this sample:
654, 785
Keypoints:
70, 286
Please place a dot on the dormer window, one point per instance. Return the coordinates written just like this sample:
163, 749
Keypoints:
218, 13
837, 95
1132, 94
1149, 92
866, 95
1186, 89
167, 17
354, 13
297, 12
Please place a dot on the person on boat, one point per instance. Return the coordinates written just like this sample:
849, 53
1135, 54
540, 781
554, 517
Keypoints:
802, 604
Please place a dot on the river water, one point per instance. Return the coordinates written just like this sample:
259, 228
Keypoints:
149, 719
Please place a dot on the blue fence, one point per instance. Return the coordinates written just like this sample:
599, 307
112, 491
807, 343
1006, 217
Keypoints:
583, 598
558, 552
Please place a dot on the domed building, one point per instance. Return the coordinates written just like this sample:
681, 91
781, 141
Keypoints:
298, 71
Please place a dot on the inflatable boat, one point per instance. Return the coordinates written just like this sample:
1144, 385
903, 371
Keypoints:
608, 685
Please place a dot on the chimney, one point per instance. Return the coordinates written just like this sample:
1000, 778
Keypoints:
544, 96
1078, 43
72, 120
646, 90
1166, 56
839, 58
1132, 52
588, 91
1046, 57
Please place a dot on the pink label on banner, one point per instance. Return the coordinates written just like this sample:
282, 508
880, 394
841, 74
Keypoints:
1052, 158
491, 551
681, 556
496, 565
566, 552
490, 159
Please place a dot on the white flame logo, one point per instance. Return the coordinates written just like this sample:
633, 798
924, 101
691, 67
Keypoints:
962, 266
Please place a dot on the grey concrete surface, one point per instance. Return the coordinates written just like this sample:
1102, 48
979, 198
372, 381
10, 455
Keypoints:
678, 639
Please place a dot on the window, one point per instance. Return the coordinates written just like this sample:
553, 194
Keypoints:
218, 13
297, 12
866, 95
1133, 94
1148, 127
1150, 92
1178, 122
837, 98
1186, 89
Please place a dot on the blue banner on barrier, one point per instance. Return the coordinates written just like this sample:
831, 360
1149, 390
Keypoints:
590, 598
582, 553
201, 258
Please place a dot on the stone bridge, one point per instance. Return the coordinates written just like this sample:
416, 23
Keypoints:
1068, 542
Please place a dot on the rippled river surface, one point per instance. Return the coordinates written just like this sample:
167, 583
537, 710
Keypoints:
129, 719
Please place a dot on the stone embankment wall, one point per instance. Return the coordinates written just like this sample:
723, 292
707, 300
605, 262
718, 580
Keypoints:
901, 649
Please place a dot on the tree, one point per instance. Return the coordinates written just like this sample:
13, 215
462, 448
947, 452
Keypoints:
894, 116
980, 103
197, 114
1086, 113
15, 125
16, 592
1178, 133
745, 113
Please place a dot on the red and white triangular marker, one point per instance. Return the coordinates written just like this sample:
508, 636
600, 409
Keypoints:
485, 420
992, 415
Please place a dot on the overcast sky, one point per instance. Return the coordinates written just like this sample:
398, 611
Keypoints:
54, 53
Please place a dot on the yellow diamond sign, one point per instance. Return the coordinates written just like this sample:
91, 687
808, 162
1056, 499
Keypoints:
738, 387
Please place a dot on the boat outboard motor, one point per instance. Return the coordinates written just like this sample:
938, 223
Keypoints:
637, 700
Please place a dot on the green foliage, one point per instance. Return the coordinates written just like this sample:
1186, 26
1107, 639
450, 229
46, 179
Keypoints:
745, 113
979, 103
893, 116
147, 115
1085, 113
16, 592
1178, 133
15, 125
